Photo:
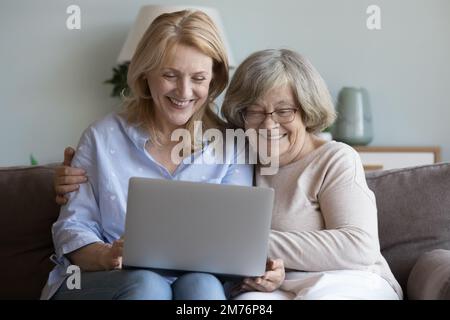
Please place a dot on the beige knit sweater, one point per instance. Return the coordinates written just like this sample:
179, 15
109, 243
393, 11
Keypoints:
325, 216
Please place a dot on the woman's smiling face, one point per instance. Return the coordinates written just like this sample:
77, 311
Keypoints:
290, 135
181, 86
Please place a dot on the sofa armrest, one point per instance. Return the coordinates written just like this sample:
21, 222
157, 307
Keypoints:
430, 277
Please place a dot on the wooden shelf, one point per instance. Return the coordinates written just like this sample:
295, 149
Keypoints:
384, 158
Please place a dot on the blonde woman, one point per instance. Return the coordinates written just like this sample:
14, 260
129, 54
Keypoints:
324, 224
178, 69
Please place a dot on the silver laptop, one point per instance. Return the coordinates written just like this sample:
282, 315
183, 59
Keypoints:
191, 226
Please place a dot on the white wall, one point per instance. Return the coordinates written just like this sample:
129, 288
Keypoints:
51, 77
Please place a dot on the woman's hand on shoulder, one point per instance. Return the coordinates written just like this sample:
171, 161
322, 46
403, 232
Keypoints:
67, 178
270, 281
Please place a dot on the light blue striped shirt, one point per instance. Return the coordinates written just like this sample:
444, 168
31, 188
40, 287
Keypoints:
111, 151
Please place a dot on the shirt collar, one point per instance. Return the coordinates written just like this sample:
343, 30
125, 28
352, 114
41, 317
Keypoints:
137, 134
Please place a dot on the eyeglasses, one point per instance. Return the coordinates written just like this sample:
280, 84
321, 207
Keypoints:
281, 116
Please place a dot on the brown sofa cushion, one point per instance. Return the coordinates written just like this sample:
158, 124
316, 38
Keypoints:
430, 277
28, 210
413, 214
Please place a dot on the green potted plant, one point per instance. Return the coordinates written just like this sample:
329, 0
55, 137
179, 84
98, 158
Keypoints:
119, 80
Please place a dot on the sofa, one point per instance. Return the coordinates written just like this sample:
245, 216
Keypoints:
413, 216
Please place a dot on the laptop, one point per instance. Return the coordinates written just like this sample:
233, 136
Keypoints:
197, 227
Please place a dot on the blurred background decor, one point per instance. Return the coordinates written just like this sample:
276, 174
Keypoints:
52, 84
354, 122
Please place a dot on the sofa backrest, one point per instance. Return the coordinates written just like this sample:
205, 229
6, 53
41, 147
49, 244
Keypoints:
413, 214
28, 210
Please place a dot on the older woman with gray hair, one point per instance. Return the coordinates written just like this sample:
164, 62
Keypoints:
324, 223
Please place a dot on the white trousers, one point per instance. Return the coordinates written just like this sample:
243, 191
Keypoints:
328, 285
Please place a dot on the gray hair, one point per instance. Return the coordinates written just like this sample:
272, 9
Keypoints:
267, 69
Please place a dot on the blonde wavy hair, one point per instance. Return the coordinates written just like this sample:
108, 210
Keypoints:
267, 69
191, 28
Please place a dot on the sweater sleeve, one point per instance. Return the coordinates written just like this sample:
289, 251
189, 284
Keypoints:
349, 239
